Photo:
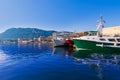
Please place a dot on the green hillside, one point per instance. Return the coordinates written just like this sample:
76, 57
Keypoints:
14, 33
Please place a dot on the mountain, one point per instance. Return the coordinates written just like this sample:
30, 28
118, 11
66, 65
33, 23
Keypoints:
14, 33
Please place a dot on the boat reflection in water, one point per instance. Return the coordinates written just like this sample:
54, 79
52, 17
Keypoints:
97, 61
63, 51
33, 61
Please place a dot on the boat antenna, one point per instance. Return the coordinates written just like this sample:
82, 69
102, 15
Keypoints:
100, 25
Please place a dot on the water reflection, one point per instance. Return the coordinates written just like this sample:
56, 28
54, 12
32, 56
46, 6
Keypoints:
98, 58
97, 61
27, 45
3, 56
98, 69
89, 57
34, 60
62, 52
11, 53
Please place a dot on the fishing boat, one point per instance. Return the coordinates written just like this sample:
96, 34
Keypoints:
93, 40
62, 40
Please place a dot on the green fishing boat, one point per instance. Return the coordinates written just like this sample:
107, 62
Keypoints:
93, 40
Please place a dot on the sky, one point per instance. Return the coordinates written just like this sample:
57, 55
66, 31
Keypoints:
59, 15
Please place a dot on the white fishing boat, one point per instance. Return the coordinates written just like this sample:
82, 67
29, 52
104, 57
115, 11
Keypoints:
59, 40
62, 40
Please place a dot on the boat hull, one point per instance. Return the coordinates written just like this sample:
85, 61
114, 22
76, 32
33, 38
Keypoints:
59, 43
92, 45
69, 42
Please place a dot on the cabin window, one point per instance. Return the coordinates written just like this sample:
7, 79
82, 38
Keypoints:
108, 43
102, 39
118, 40
118, 44
113, 40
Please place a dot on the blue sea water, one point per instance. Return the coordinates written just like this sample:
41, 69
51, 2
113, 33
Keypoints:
37, 61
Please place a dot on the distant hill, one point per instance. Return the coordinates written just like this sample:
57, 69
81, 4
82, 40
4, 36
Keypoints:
14, 33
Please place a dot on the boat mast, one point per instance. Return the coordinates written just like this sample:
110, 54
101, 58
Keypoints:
100, 26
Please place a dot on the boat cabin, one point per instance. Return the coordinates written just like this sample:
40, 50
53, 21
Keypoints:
90, 33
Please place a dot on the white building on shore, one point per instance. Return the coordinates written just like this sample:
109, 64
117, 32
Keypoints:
111, 31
